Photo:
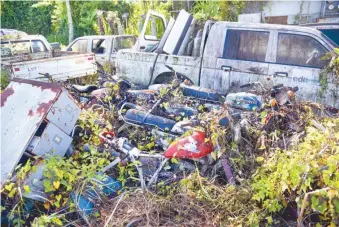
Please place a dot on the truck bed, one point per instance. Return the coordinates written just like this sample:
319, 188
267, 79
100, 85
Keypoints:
35, 56
61, 66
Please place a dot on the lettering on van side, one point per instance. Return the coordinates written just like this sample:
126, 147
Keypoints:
305, 80
33, 68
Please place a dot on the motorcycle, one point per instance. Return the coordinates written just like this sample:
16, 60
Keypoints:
186, 149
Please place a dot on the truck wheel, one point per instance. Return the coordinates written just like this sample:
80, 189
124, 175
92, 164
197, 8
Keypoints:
167, 78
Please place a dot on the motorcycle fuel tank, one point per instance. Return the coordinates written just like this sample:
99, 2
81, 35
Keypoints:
193, 146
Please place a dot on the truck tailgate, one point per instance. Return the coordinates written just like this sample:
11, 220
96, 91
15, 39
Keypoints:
60, 68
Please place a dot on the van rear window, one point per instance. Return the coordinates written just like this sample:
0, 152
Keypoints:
246, 45
300, 50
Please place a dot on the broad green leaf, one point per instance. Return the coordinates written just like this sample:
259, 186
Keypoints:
12, 193
9, 187
27, 189
58, 197
56, 221
174, 160
56, 184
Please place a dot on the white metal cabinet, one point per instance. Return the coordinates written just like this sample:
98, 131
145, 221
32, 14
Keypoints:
53, 141
28, 123
64, 113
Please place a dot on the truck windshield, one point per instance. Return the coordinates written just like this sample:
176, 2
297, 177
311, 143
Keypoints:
10, 48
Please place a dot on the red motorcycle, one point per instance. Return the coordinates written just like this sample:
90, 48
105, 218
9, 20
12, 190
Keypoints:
186, 149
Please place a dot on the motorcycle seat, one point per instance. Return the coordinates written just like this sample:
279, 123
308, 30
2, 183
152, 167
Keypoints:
200, 93
141, 118
85, 88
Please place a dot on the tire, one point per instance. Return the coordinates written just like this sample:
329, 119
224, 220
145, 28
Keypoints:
167, 78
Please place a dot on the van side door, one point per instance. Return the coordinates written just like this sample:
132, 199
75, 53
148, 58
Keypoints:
297, 62
244, 59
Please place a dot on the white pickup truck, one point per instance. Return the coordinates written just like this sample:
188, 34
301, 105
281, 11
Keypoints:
28, 56
224, 55
105, 47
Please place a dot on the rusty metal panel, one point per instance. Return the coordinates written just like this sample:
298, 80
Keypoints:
64, 113
52, 141
24, 105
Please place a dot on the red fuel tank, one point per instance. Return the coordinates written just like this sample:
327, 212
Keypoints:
193, 146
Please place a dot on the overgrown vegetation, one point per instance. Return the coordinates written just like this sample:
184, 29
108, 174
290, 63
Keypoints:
22, 16
330, 76
4, 79
49, 18
286, 174
279, 189
275, 184
218, 10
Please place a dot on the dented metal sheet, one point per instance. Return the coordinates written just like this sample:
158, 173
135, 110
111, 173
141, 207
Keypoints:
24, 105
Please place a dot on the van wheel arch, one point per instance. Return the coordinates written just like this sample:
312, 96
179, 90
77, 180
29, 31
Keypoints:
167, 77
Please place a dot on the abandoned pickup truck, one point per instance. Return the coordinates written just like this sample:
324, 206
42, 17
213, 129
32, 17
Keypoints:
225, 55
29, 56
105, 47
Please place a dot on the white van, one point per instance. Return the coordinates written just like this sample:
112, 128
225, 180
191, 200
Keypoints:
231, 54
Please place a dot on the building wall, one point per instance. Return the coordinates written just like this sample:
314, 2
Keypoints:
285, 12
294, 10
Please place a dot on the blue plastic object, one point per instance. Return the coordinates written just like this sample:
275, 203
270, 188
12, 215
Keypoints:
224, 121
110, 186
141, 118
244, 100
200, 93
83, 203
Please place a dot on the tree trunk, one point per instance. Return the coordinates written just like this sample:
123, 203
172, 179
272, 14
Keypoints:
70, 22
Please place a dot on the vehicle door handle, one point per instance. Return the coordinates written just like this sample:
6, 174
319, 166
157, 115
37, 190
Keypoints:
226, 68
142, 47
281, 74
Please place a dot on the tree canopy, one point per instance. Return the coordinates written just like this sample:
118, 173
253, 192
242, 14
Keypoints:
49, 17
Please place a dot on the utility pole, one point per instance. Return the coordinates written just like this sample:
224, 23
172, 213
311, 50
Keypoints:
70, 22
